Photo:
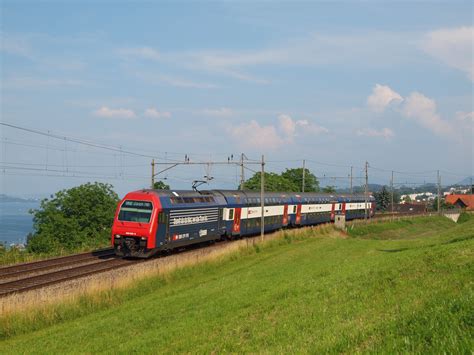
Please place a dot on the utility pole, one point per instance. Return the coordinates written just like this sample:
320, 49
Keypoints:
366, 190
391, 186
304, 173
262, 203
439, 194
242, 178
208, 172
152, 173
351, 182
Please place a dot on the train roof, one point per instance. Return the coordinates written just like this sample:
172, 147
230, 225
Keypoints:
256, 194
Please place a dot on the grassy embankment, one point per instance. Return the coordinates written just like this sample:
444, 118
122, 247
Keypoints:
394, 286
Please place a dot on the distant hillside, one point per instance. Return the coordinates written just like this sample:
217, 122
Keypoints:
467, 181
6, 198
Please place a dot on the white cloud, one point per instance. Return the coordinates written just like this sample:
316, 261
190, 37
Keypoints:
311, 127
218, 112
423, 110
452, 46
291, 128
184, 83
174, 81
287, 126
38, 83
465, 116
273, 136
15, 45
141, 52
107, 112
154, 113
382, 96
381, 49
253, 135
371, 132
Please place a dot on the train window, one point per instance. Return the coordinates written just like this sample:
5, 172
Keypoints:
294, 209
175, 200
135, 211
231, 213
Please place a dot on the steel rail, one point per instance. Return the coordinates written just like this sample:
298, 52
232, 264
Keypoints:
12, 270
39, 281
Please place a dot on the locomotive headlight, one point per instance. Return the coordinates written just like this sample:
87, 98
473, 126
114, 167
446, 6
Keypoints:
117, 236
143, 238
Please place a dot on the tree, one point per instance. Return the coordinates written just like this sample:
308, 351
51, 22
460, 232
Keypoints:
442, 204
311, 183
407, 199
73, 219
160, 185
382, 199
273, 182
396, 196
290, 180
329, 189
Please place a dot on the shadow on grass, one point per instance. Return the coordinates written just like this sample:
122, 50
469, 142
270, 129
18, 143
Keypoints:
394, 250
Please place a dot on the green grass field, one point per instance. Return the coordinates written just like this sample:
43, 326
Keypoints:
393, 286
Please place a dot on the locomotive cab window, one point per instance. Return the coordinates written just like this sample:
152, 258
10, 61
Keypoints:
231, 213
135, 211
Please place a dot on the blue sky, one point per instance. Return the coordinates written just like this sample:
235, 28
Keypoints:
335, 83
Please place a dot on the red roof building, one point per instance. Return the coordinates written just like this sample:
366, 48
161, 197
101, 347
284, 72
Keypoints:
463, 201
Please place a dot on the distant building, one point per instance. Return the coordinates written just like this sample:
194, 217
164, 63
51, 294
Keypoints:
419, 196
408, 207
461, 201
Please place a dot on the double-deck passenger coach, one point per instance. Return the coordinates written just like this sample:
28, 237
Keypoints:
148, 221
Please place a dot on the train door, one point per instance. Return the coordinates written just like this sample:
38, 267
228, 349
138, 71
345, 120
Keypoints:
298, 214
333, 211
285, 216
343, 208
236, 228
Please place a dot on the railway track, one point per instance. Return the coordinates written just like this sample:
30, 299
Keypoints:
33, 275
29, 276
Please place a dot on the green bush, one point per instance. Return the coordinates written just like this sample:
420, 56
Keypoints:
73, 219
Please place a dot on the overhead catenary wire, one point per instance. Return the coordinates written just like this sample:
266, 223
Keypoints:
118, 152
96, 144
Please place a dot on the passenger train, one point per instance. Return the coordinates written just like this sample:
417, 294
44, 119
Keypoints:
149, 221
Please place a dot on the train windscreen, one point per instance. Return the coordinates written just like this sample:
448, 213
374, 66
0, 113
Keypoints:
135, 211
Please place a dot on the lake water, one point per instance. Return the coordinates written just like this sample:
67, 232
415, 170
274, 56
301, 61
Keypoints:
15, 221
